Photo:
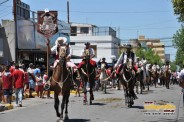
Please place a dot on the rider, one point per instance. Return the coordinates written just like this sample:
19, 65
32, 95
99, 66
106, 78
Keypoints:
62, 41
166, 64
155, 67
123, 59
92, 54
102, 61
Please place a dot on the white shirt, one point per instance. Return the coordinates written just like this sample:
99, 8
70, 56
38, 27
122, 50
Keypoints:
120, 60
181, 74
91, 51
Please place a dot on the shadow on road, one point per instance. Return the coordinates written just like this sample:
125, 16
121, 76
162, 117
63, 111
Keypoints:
99, 104
77, 120
139, 107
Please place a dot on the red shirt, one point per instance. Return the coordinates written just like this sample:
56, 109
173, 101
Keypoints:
18, 79
26, 77
7, 80
12, 69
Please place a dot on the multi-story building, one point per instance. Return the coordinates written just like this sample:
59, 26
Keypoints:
143, 42
103, 40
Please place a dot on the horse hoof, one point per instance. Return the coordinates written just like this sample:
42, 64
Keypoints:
66, 117
58, 115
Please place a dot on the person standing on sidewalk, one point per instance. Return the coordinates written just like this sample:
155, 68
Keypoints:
32, 80
7, 85
39, 85
18, 80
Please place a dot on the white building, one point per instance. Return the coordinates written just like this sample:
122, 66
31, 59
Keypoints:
102, 39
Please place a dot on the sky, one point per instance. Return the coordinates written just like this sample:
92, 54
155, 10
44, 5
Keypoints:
151, 18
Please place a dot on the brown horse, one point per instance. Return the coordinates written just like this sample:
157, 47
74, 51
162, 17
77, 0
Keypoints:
154, 75
60, 82
88, 75
167, 75
127, 79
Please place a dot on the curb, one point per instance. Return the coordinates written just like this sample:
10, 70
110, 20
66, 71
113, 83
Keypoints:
6, 107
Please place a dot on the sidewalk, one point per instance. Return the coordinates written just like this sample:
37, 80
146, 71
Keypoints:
27, 101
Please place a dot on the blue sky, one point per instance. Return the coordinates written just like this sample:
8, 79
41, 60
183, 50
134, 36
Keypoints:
152, 18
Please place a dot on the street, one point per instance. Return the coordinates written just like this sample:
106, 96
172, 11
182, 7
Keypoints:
108, 107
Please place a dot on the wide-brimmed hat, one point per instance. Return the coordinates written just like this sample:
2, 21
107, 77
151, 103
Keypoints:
129, 46
61, 40
87, 43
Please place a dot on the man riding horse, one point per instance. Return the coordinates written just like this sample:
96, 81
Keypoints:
87, 71
123, 59
62, 41
122, 62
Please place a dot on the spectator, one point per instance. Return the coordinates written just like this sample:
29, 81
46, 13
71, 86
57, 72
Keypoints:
45, 79
39, 85
26, 80
32, 81
7, 85
18, 78
12, 67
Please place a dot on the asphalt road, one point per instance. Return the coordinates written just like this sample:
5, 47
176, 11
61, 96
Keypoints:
108, 107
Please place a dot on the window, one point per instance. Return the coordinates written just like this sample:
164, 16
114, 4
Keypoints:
73, 31
84, 30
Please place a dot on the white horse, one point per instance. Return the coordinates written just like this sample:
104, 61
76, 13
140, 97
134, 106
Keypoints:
103, 77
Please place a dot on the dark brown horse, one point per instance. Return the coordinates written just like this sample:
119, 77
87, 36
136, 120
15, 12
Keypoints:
60, 82
127, 79
154, 75
88, 75
167, 75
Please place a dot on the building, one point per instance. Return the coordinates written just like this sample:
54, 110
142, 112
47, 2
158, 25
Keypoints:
145, 43
103, 40
30, 46
155, 44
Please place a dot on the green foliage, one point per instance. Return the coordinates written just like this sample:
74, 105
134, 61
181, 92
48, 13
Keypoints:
178, 6
178, 41
149, 55
173, 66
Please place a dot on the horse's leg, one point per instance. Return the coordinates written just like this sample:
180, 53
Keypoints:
56, 103
91, 93
66, 108
62, 105
85, 93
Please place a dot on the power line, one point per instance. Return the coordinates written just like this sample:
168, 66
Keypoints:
117, 12
4, 2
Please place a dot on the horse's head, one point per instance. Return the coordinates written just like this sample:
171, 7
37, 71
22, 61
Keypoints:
103, 65
62, 53
166, 68
129, 63
87, 54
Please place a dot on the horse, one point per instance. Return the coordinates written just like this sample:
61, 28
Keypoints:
103, 77
167, 75
154, 75
60, 82
88, 75
127, 79
139, 81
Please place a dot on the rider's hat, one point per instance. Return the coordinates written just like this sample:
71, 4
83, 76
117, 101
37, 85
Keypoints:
61, 40
128, 46
87, 43
103, 58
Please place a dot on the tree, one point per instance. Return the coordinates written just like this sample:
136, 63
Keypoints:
178, 41
149, 55
178, 6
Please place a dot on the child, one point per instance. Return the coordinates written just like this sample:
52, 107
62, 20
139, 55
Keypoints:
39, 85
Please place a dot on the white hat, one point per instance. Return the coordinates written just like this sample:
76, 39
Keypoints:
63, 39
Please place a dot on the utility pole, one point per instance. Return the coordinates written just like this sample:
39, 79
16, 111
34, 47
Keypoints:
15, 20
68, 11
